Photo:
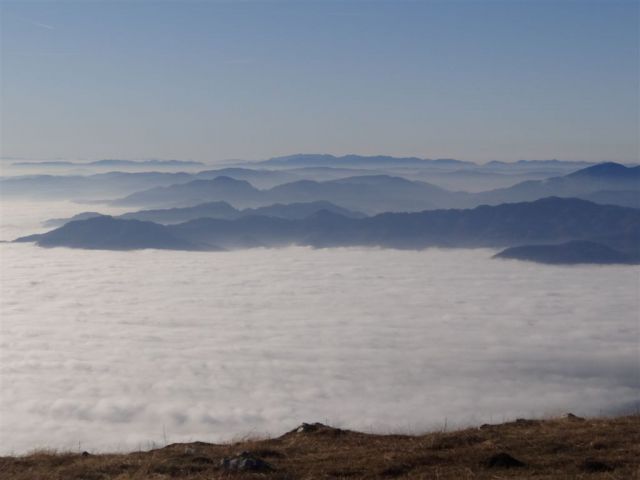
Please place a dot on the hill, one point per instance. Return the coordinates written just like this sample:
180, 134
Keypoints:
107, 233
368, 194
570, 447
260, 178
611, 183
237, 192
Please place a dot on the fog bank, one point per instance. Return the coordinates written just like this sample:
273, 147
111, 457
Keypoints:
117, 350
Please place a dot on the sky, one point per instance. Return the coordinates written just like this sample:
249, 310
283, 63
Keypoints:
219, 80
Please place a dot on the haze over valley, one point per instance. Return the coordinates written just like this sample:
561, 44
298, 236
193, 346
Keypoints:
198, 345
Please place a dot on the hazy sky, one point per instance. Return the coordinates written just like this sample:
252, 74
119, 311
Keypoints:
476, 80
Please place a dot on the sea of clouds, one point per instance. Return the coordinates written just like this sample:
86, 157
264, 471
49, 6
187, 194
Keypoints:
122, 350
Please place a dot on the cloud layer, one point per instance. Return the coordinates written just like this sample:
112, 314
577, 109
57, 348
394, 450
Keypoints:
120, 350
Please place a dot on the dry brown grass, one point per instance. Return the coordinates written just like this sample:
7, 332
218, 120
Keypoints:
606, 448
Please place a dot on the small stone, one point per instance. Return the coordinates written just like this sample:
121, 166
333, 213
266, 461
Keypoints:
245, 462
574, 418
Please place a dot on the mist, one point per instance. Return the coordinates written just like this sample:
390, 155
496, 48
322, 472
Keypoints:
122, 350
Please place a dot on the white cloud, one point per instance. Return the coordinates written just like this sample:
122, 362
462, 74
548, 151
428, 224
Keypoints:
36, 23
42, 25
106, 350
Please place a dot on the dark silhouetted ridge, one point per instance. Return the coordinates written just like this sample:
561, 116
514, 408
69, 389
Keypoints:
575, 252
542, 222
108, 233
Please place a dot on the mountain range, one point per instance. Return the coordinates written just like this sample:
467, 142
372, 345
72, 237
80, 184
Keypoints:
384, 161
112, 163
367, 190
542, 222
219, 210
359, 161
610, 182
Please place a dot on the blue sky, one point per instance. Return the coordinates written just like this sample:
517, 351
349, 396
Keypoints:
476, 80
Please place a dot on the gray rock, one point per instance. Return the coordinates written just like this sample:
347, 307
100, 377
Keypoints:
308, 427
318, 428
574, 418
245, 462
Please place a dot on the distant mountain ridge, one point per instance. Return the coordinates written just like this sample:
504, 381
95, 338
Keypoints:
608, 170
545, 221
569, 253
405, 189
358, 161
107, 233
324, 160
118, 183
370, 194
373, 194
98, 185
115, 163
218, 210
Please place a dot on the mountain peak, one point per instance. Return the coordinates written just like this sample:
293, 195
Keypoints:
225, 180
607, 169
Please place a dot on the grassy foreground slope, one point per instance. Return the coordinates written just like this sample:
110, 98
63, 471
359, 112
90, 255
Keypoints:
567, 448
